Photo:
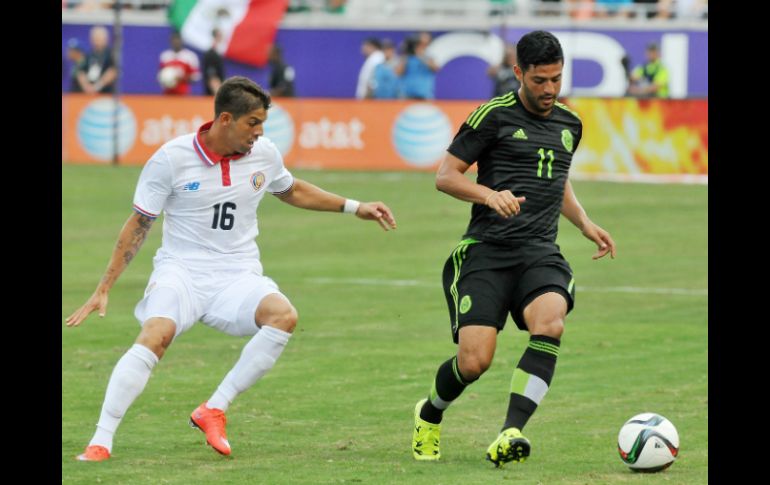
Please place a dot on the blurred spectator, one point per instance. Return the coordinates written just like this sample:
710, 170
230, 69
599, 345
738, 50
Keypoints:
417, 70
178, 67
683, 9
213, 66
581, 9
613, 8
652, 6
548, 8
97, 72
371, 49
385, 84
625, 61
93, 5
503, 75
281, 74
331, 6
76, 57
650, 80
501, 7
336, 6
89, 5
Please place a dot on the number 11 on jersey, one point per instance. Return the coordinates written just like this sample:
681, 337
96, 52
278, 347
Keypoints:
543, 154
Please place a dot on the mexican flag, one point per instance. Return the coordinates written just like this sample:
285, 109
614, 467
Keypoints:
248, 26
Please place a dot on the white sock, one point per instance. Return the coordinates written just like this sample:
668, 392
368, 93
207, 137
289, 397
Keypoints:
258, 357
127, 381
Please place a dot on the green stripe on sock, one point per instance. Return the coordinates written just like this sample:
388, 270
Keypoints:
519, 381
544, 347
456, 371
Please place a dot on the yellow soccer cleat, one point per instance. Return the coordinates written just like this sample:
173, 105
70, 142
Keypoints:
510, 445
426, 437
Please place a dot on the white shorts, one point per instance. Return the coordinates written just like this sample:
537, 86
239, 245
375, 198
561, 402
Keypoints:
223, 300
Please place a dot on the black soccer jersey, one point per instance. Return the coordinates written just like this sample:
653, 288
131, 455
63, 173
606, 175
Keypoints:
524, 153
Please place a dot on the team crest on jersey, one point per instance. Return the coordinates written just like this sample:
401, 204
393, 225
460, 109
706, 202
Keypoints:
257, 180
566, 139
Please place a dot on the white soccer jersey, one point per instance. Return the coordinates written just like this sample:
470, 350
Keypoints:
210, 202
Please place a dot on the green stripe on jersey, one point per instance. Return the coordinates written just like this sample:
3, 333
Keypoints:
481, 107
567, 109
482, 111
457, 261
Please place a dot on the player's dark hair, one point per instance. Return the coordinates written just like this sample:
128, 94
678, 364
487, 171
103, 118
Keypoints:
239, 95
537, 48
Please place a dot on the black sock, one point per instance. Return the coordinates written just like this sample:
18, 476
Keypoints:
449, 384
531, 379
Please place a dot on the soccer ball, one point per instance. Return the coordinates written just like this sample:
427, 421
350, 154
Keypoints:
168, 77
648, 442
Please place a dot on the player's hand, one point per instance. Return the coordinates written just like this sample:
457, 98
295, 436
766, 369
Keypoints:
602, 238
98, 301
505, 203
377, 211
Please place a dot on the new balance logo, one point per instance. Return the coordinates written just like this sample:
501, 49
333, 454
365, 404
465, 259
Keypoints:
191, 186
520, 135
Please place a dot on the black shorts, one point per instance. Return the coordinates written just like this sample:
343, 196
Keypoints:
484, 282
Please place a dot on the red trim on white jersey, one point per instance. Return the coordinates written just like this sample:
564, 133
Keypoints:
144, 212
225, 165
209, 157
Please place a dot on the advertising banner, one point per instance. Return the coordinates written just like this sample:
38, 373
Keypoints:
626, 138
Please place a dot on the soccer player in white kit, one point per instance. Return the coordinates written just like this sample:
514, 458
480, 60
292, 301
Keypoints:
209, 185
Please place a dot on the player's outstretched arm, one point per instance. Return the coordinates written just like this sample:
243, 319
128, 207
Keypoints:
305, 195
573, 211
131, 237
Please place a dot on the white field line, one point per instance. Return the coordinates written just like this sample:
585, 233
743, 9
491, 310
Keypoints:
589, 289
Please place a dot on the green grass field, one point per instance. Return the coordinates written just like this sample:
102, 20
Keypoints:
337, 407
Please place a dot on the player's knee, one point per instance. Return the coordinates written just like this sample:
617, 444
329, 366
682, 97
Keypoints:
472, 365
285, 319
550, 327
157, 334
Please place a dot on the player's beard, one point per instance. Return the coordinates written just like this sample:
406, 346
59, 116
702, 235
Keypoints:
536, 102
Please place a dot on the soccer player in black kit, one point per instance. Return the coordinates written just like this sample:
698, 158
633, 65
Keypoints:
508, 260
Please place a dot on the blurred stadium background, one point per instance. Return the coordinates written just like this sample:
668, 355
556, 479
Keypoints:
337, 407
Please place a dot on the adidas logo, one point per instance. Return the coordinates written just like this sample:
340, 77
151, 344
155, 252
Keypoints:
520, 135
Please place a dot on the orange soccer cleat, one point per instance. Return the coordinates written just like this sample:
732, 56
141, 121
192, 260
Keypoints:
94, 453
212, 422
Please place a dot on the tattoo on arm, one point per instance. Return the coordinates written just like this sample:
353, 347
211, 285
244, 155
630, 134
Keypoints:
138, 237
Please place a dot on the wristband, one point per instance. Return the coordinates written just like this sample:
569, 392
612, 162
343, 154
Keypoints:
351, 206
